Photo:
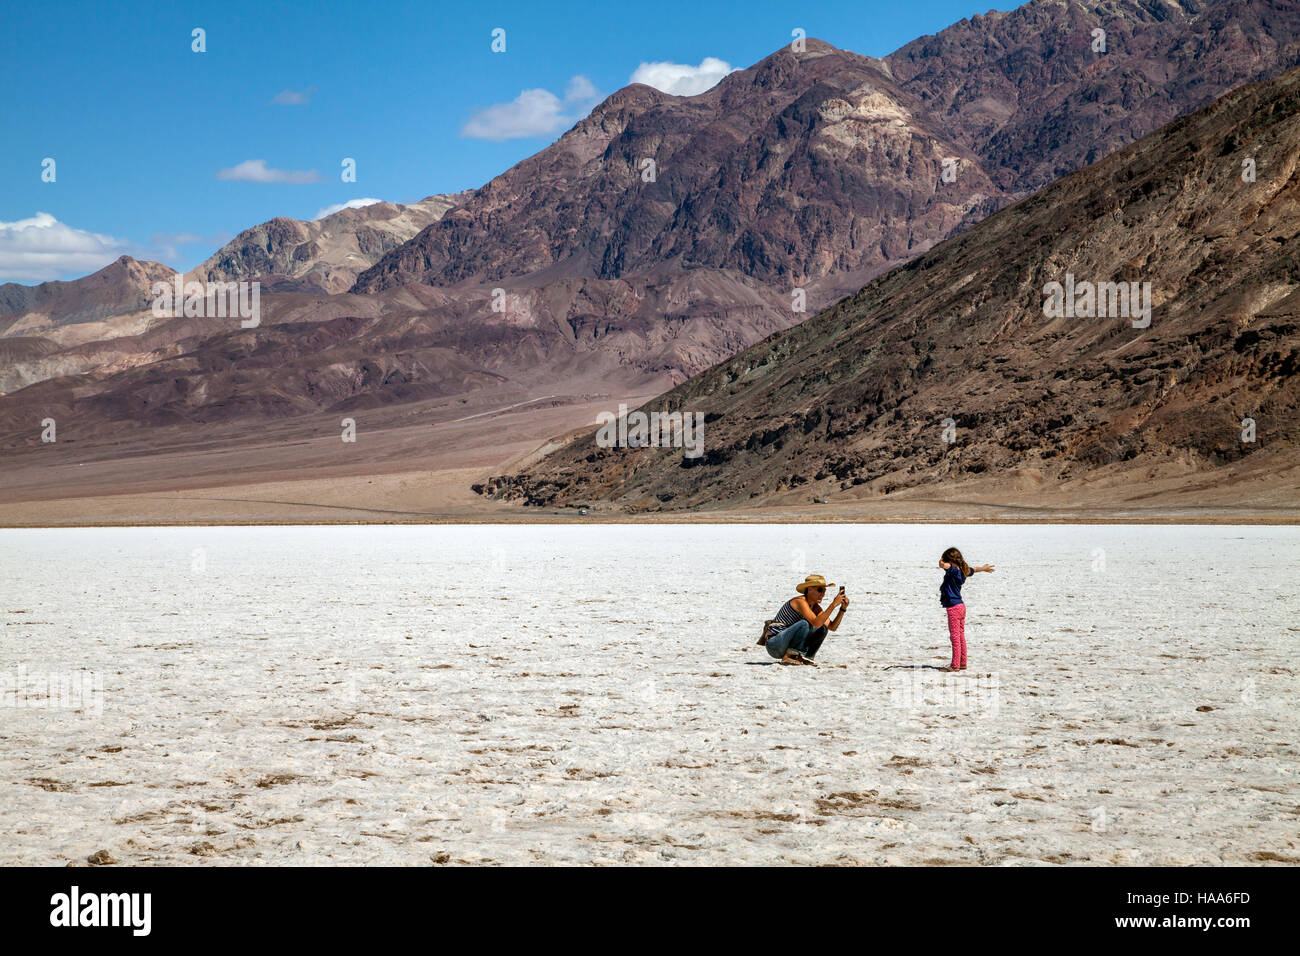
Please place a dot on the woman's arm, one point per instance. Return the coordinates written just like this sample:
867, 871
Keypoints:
982, 567
835, 624
818, 617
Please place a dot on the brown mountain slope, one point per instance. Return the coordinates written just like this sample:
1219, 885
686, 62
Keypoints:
317, 353
121, 286
948, 370
1026, 92
823, 169
804, 165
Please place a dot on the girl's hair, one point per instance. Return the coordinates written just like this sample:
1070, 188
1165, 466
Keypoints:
953, 556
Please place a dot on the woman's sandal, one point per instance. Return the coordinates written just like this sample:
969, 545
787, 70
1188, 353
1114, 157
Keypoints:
949, 669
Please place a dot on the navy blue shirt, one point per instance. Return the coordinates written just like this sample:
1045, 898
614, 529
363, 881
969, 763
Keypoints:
950, 590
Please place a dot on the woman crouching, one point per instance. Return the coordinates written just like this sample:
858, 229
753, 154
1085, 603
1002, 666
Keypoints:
799, 628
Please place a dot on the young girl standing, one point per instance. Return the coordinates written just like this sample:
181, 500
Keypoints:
955, 573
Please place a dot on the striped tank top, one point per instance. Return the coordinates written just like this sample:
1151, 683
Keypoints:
784, 618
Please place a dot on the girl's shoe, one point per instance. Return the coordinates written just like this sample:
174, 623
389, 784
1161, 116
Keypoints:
962, 668
791, 657
949, 669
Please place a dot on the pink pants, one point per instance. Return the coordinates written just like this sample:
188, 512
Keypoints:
957, 634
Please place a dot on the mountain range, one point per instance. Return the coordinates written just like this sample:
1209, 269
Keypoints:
1134, 325
659, 236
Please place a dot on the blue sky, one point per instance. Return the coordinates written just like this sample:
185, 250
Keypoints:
141, 127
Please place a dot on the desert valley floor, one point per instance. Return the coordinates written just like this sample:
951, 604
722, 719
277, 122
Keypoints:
513, 694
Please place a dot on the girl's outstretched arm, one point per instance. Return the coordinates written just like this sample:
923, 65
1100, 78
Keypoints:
982, 567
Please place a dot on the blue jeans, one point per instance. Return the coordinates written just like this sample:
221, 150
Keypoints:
799, 636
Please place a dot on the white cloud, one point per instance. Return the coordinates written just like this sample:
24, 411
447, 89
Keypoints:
340, 206
533, 113
42, 248
256, 171
580, 89
681, 79
293, 97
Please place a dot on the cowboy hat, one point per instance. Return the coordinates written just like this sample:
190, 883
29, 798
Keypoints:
813, 581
